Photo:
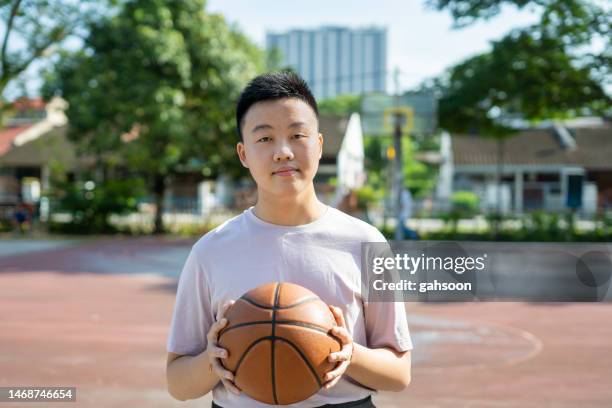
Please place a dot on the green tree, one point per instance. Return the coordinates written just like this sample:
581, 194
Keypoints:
374, 153
342, 105
419, 177
35, 29
523, 76
544, 71
156, 86
92, 204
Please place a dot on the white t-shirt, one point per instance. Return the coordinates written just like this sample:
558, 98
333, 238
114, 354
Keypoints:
323, 256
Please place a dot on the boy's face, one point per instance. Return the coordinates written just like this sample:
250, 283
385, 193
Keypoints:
281, 145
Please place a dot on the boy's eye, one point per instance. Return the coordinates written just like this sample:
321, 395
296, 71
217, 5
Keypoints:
264, 139
298, 136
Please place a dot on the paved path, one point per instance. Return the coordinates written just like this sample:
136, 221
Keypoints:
95, 315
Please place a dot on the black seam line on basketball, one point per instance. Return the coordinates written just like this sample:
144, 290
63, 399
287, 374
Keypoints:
253, 344
276, 295
259, 305
272, 338
278, 322
310, 367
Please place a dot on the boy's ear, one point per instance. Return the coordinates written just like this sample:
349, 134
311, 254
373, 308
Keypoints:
321, 145
241, 154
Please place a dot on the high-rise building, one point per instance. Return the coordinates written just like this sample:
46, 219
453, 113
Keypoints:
335, 60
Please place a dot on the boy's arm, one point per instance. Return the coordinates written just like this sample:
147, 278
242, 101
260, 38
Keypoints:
189, 377
382, 369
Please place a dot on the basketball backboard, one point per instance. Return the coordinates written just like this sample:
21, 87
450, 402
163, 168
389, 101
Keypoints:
424, 108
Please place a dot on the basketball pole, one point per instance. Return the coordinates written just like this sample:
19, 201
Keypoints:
398, 173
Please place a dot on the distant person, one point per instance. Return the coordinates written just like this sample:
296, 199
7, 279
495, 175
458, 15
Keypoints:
22, 217
405, 214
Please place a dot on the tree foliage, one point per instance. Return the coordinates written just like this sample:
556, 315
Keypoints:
91, 204
156, 85
35, 29
342, 105
419, 177
547, 70
521, 77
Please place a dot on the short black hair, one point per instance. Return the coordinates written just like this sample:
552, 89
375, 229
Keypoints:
273, 86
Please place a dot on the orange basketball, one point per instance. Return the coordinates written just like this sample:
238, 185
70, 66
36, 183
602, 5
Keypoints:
278, 340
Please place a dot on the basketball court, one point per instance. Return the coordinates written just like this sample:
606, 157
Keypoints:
94, 314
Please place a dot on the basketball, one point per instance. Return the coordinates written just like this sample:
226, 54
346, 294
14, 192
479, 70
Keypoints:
278, 340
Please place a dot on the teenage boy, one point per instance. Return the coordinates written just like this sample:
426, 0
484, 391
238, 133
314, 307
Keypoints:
289, 235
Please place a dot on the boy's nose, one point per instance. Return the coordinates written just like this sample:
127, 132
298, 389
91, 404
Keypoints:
283, 153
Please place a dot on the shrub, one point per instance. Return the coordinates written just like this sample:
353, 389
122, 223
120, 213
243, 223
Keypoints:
92, 204
465, 204
367, 195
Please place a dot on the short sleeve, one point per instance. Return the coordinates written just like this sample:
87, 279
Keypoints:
193, 314
386, 323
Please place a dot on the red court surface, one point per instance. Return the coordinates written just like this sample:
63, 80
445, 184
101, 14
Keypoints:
62, 324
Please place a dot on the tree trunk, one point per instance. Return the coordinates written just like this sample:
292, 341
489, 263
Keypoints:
159, 189
500, 155
499, 175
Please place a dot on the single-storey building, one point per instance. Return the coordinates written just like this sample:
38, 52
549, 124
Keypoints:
552, 169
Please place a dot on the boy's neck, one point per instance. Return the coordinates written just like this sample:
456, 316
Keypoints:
289, 211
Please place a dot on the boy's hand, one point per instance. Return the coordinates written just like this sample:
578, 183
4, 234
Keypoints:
215, 353
344, 355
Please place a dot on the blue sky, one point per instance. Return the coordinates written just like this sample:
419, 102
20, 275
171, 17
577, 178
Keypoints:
421, 41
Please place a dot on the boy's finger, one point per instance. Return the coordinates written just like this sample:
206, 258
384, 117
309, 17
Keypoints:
223, 374
337, 371
227, 375
221, 311
223, 308
330, 376
215, 329
333, 310
220, 324
220, 370
340, 317
331, 383
227, 305
342, 334
340, 356
230, 385
220, 352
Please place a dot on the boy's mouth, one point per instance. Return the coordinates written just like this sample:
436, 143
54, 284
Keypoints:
285, 171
